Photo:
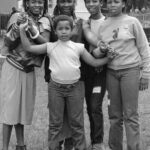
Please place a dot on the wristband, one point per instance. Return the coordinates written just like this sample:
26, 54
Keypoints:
35, 36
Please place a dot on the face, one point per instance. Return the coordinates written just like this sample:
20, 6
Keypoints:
63, 30
66, 6
93, 6
35, 6
115, 7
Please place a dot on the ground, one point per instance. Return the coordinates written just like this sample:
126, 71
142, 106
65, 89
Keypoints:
36, 134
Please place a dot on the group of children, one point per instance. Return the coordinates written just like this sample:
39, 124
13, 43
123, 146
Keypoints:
125, 47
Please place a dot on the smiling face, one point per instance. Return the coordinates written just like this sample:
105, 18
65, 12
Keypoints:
35, 6
115, 7
93, 6
63, 30
66, 6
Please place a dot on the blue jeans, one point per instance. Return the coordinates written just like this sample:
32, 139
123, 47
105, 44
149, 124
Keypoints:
71, 96
123, 89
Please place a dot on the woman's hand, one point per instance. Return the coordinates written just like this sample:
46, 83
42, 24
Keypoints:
85, 24
22, 18
143, 85
31, 27
24, 26
15, 27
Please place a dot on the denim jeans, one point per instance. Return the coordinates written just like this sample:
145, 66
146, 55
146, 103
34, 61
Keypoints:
95, 88
123, 89
71, 96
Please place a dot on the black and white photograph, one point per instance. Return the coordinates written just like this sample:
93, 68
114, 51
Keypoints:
74, 75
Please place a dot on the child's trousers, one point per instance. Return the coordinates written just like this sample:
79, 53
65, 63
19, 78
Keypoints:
71, 96
123, 89
95, 87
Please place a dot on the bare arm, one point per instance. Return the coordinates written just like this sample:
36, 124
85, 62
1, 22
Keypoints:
90, 37
97, 53
89, 59
37, 49
42, 38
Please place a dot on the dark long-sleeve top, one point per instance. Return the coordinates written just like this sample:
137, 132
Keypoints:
17, 56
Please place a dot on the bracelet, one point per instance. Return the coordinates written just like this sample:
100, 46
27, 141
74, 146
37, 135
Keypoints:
35, 36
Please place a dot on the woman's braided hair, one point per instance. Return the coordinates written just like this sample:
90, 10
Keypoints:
45, 10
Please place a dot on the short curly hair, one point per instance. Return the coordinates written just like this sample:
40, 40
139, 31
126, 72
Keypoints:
63, 18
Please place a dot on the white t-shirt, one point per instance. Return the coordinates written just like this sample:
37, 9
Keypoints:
65, 61
94, 25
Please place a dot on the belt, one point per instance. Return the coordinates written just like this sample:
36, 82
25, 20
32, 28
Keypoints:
64, 86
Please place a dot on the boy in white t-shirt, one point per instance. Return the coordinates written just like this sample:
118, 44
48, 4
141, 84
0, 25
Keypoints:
65, 87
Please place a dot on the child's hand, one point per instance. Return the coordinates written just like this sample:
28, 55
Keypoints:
103, 46
143, 84
111, 55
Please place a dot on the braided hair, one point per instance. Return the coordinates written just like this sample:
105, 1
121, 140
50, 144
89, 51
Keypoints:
57, 11
45, 10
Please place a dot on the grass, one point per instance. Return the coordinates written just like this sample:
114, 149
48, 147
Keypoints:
36, 134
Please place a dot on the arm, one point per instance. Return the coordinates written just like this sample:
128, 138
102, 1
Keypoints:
12, 35
89, 59
42, 38
144, 51
37, 49
45, 28
97, 53
90, 37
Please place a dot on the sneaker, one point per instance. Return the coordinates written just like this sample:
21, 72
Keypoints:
99, 146
68, 144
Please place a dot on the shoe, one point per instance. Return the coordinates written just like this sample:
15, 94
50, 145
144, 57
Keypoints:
68, 144
21, 147
98, 146
60, 146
